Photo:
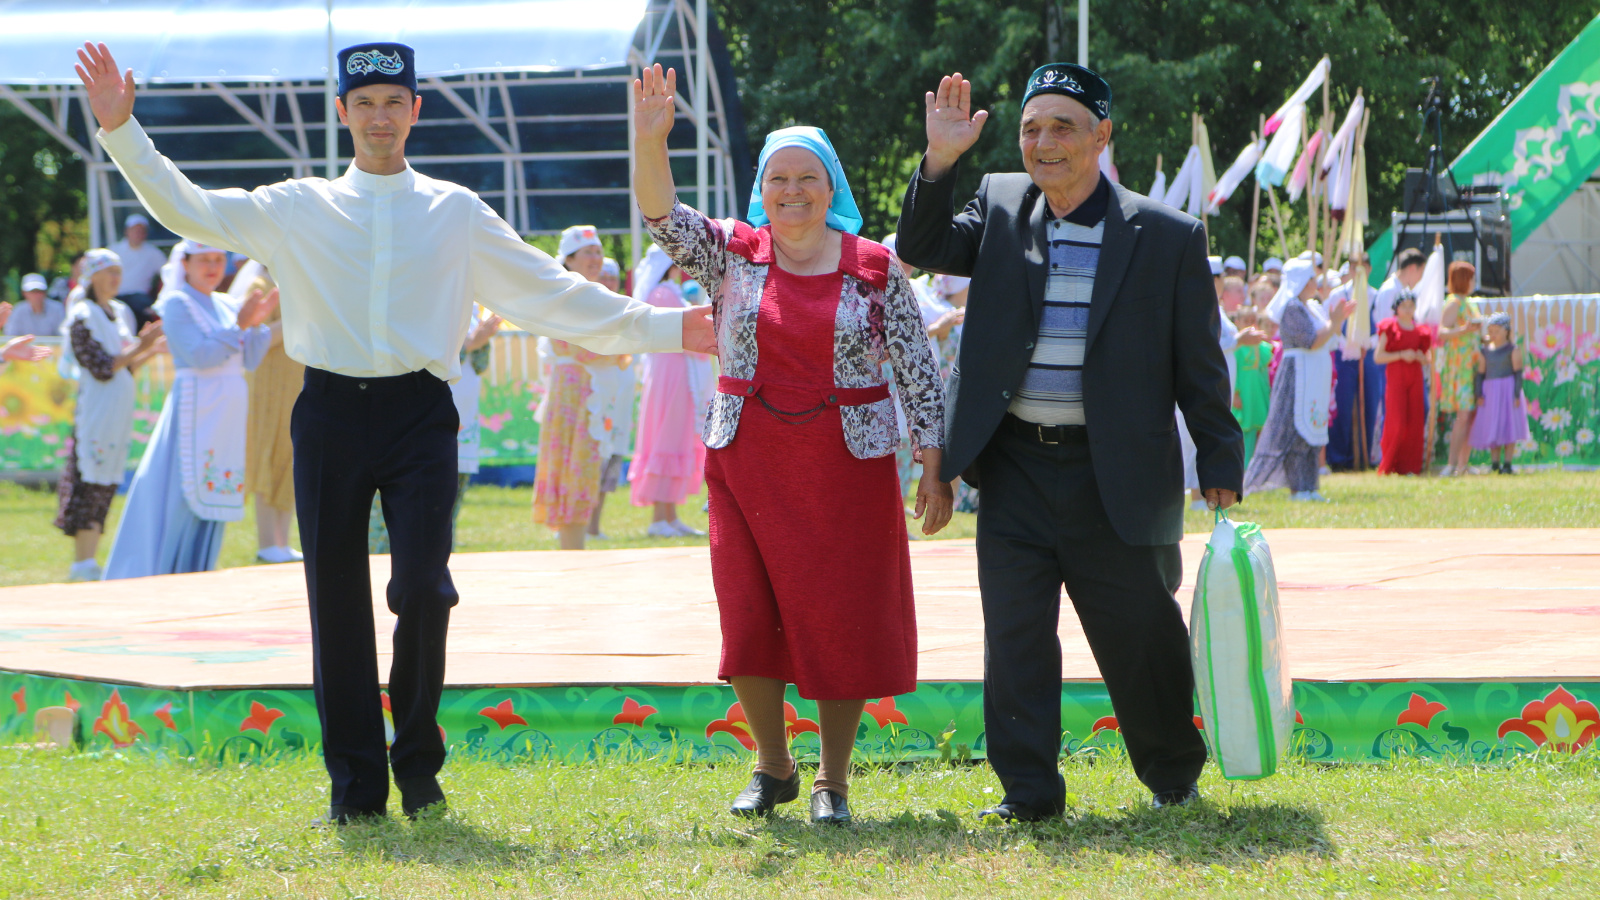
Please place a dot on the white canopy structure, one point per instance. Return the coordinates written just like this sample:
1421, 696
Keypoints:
524, 101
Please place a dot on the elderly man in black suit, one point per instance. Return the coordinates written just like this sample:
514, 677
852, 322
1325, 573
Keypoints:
1091, 315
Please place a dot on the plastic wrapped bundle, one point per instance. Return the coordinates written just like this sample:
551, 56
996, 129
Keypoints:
1240, 668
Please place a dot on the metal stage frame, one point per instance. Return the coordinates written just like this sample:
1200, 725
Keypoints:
546, 149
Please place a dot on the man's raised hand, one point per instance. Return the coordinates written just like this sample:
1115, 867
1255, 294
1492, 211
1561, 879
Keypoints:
110, 92
952, 126
653, 107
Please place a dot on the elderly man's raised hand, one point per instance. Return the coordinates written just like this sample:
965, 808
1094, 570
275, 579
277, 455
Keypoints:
952, 126
110, 92
654, 109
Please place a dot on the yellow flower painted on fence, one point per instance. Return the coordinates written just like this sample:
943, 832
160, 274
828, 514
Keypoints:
1558, 722
33, 395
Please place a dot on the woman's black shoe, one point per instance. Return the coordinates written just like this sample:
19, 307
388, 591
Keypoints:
765, 792
829, 808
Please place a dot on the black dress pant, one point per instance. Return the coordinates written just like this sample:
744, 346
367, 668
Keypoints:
1042, 525
352, 437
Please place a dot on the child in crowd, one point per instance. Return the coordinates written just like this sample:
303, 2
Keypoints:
1502, 420
1252, 390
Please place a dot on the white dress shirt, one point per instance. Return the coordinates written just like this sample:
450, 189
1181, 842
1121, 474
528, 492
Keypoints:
139, 266
377, 273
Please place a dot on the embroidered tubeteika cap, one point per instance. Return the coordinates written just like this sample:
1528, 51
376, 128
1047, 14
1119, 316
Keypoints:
377, 63
1082, 85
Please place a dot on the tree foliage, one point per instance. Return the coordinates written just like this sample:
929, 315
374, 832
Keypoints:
859, 69
41, 187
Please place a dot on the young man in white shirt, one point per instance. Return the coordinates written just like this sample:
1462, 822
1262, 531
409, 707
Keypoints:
378, 271
141, 263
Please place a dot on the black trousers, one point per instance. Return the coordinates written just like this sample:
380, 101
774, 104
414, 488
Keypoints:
397, 437
1042, 525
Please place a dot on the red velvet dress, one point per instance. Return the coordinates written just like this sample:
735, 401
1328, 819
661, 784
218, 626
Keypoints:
1405, 414
808, 543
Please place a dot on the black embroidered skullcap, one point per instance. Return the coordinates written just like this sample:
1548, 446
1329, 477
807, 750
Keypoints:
377, 63
1082, 85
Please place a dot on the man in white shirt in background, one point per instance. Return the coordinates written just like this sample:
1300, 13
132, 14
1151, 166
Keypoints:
378, 271
141, 263
38, 314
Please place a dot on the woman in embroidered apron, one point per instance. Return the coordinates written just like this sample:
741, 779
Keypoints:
190, 483
808, 542
1297, 416
579, 414
100, 352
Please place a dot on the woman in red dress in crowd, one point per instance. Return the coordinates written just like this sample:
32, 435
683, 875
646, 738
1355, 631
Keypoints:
1404, 344
808, 536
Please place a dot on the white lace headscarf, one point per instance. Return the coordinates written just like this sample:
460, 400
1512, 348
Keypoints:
172, 274
1297, 273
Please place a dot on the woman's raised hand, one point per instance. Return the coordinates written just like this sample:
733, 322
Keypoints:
110, 92
149, 334
952, 126
654, 108
257, 307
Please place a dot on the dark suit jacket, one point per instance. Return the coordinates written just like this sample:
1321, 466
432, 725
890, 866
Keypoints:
1152, 342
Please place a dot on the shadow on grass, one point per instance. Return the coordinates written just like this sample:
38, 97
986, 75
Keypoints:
442, 841
1203, 834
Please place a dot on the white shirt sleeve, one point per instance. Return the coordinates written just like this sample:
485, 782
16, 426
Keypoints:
533, 292
250, 222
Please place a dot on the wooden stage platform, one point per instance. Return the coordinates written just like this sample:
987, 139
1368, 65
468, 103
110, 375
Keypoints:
1359, 605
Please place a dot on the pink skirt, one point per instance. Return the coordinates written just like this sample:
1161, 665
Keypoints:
669, 461
1501, 419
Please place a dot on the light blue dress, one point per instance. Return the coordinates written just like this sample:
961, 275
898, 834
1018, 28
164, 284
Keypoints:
159, 533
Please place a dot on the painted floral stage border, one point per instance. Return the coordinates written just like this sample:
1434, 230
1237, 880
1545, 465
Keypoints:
1336, 721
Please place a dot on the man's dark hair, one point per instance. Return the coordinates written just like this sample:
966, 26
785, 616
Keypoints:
1410, 256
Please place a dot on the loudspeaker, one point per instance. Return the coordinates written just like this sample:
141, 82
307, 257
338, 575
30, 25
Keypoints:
1487, 246
1442, 198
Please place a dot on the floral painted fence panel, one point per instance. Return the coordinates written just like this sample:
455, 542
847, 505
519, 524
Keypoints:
1560, 340
1336, 721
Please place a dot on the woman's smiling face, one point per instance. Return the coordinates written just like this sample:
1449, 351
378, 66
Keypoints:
795, 189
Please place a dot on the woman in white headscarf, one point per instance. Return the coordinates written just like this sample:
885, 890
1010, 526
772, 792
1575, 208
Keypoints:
579, 415
1297, 414
669, 462
190, 483
99, 351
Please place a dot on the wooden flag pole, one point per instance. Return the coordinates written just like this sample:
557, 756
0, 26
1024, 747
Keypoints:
1205, 223
1255, 221
1358, 254
1326, 210
1283, 241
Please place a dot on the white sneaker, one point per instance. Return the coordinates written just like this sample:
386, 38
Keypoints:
685, 529
275, 555
85, 570
661, 530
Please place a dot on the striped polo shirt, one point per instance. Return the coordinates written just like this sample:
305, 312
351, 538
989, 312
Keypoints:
1052, 388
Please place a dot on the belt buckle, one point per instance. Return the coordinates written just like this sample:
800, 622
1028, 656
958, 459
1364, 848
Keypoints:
1042, 438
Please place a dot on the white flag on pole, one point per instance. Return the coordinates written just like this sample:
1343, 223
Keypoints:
1234, 176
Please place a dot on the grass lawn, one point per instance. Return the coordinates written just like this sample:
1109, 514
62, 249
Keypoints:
499, 518
101, 826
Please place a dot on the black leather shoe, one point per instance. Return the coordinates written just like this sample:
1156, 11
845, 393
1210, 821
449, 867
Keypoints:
420, 796
764, 792
349, 815
1175, 797
1016, 812
829, 808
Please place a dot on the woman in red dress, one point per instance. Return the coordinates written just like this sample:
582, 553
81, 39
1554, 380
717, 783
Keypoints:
1404, 344
808, 537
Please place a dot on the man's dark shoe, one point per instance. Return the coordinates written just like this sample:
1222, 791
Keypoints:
1016, 812
764, 792
349, 815
1175, 797
829, 808
420, 796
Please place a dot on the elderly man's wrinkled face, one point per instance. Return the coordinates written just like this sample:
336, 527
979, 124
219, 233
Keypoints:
796, 190
205, 270
1061, 143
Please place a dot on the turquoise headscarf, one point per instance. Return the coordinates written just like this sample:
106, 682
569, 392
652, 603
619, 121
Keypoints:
842, 211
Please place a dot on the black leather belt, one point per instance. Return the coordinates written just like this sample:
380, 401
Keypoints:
1045, 434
